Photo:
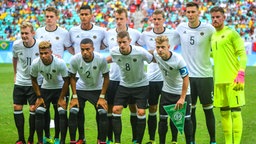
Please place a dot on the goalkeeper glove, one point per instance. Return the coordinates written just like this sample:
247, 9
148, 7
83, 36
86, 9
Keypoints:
239, 81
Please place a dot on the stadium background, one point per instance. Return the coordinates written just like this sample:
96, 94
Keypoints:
241, 15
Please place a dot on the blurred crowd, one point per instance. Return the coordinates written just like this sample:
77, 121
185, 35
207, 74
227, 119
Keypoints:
241, 15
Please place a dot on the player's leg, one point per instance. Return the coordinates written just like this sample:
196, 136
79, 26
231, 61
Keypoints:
194, 94
72, 123
237, 124
32, 115
133, 119
19, 99
188, 127
81, 98
174, 132
63, 121
155, 89
40, 122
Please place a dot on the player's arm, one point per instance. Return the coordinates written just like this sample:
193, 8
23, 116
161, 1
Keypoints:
71, 50
14, 62
74, 100
40, 100
109, 59
63, 93
181, 101
102, 102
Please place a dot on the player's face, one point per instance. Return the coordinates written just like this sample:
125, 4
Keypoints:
51, 18
163, 50
124, 45
218, 20
85, 16
87, 51
46, 56
192, 14
26, 34
158, 20
121, 20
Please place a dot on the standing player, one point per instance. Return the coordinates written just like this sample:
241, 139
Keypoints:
153, 71
229, 66
121, 18
86, 30
91, 86
24, 52
60, 40
133, 83
175, 87
196, 48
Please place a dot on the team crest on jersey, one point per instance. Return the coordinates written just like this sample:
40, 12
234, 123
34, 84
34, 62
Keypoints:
77, 36
42, 37
201, 33
184, 32
94, 67
81, 67
119, 60
54, 71
222, 36
112, 39
134, 60
94, 36
151, 39
41, 72
57, 38
37, 54
170, 68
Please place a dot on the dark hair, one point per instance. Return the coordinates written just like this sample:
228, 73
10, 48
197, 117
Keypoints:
123, 34
192, 4
217, 9
86, 41
85, 7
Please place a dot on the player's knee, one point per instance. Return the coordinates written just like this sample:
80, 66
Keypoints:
74, 110
141, 112
17, 107
61, 111
152, 108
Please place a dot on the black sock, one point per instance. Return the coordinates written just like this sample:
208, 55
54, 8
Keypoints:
19, 122
141, 125
193, 119
32, 117
210, 123
80, 122
63, 124
103, 125
188, 128
56, 121
174, 131
117, 127
162, 129
152, 124
110, 127
72, 123
133, 121
47, 118
40, 123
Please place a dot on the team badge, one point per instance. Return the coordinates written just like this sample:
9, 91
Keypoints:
77, 36
41, 72
119, 60
42, 37
21, 53
112, 39
201, 33
37, 54
151, 39
184, 32
57, 38
170, 68
94, 36
134, 60
222, 36
54, 71
177, 116
81, 67
94, 67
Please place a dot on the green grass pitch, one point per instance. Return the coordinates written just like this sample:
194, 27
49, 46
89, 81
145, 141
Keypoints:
8, 133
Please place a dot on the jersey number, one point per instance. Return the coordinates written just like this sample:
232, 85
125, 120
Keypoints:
28, 60
165, 72
88, 74
49, 76
192, 40
127, 67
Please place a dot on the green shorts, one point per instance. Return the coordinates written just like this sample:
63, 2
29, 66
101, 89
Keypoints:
225, 96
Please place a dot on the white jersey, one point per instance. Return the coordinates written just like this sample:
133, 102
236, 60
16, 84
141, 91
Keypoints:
111, 41
96, 34
173, 71
196, 48
132, 66
53, 73
90, 72
25, 56
58, 38
148, 39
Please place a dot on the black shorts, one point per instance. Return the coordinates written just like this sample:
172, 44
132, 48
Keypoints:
126, 96
111, 91
91, 96
23, 94
155, 89
168, 99
50, 96
202, 88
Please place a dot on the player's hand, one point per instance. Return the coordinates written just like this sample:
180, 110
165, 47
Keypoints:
39, 102
239, 81
103, 103
74, 102
179, 104
62, 103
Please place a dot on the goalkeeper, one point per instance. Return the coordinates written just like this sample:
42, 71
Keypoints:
229, 67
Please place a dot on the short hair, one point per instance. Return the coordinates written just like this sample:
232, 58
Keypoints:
161, 39
85, 7
217, 9
52, 9
86, 41
26, 24
123, 34
192, 4
45, 45
122, 10
159, 11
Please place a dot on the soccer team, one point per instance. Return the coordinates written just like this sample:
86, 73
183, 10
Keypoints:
41, 77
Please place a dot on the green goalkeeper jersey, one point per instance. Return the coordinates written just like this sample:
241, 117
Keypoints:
228, 54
